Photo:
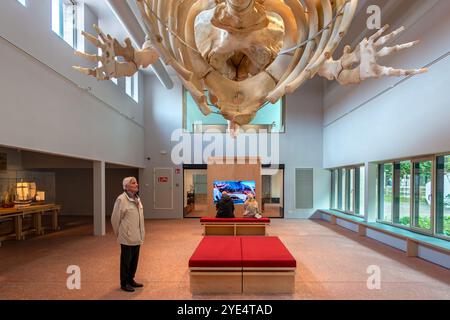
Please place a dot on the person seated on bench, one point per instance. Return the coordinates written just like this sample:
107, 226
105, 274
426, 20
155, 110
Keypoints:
225, 207
251, 209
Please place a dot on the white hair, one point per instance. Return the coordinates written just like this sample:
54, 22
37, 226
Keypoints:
127, 181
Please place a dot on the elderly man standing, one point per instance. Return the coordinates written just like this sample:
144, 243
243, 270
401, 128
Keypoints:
128, 224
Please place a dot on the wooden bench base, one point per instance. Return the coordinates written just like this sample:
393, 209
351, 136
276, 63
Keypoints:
268, 282
248, 282
215, 282
250, 265
234, 229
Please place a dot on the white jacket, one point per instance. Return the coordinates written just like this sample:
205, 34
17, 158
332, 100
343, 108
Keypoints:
127, 221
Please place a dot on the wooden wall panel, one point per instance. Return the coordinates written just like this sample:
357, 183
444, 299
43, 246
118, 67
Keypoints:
237, 169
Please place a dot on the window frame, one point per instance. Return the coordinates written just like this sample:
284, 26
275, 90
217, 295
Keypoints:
397, 192
59, 29
132, 87
438, 196
432, 232
413, 227
344, 201
223, 128
380, 186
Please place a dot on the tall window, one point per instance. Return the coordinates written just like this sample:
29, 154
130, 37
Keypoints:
416, 194
64, 20
347, 190
359, 203
385, 191
351, 182
443, 195
334, 189
402, 191
423, 196
132, 86
339, 190
270, 117
343, 190
23, 2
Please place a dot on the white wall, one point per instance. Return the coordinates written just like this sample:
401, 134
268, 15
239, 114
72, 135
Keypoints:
300, 146
43, 107
410, 119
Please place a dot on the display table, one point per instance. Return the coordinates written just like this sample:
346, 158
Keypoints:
36, 211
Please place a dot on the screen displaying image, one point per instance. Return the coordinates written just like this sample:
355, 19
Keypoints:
238, 190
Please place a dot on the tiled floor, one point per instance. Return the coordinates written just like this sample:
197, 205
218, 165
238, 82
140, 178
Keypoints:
332, 264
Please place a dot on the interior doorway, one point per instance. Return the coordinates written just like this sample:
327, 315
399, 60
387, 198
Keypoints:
195, 191
273, 191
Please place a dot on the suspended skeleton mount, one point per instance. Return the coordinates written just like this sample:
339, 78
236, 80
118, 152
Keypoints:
246, 52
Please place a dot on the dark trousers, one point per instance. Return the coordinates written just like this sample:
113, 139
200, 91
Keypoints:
129, 257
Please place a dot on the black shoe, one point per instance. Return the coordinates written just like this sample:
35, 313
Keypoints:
127, 288
134, 284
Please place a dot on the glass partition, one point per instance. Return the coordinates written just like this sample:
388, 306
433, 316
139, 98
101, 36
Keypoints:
385, 191
423, 194
270, 117
404, 206
443, 196
351, 200
361, 196
26, 188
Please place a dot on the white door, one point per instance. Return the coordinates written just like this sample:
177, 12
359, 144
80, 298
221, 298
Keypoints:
163, 188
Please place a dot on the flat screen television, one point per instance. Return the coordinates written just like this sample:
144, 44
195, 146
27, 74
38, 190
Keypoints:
238, 190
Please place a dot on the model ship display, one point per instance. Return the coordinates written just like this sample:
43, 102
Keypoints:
25, 193
8, 198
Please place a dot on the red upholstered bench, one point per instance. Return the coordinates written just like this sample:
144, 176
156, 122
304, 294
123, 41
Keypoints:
267, 266
242, 264
234, 226
216, 266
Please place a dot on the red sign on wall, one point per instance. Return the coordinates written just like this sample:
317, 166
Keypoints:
163, 179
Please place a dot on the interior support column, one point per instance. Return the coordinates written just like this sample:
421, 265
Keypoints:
99, 198
370, 192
